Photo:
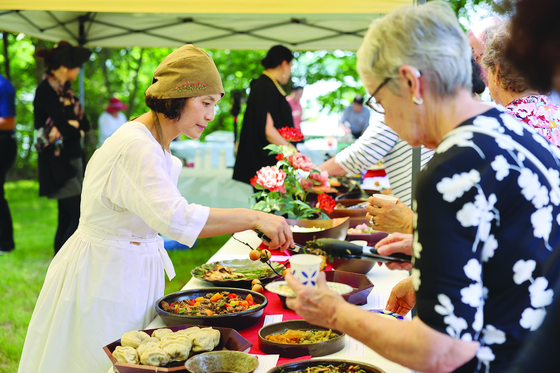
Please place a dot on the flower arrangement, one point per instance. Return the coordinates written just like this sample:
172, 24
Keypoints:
283, 188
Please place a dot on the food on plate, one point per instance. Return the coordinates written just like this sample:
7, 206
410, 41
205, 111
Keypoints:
219, 303
258, 288
302, 336
205, 339
220, 272
173, 346
334, 182
126, 354
133, 339
343, 368
155, 357
144, 346
298, 229
159, 333
256, 281
361, 229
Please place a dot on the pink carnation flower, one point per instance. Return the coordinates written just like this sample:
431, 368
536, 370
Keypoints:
301, 161
271, 178
306, 184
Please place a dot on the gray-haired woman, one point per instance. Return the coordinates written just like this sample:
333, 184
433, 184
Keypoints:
485, 208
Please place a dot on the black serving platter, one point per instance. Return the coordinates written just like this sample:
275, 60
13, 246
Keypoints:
296, 350
237, 321
298, 366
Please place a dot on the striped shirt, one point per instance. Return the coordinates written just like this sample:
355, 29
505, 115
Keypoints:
380, 143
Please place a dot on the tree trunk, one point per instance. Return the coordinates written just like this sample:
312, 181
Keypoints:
104, 54
135, 89
6, 56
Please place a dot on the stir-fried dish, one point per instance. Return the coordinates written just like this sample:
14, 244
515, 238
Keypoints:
343, 368
220, 303
302, 336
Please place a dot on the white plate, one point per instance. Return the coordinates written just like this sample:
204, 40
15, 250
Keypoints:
282, 288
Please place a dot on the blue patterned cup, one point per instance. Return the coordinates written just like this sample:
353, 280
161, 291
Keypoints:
305, 268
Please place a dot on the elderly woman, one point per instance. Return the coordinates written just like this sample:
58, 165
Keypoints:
510, 89
485, 215
106, 279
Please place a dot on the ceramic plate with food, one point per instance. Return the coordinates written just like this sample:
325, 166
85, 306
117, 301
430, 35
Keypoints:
282, 288
237, 272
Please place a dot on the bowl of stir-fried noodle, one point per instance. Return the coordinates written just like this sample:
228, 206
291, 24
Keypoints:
295, 338
326, 366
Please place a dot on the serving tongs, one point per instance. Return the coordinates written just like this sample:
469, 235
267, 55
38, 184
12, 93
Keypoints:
346, 250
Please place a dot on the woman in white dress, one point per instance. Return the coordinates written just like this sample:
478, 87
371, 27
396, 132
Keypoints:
107, 277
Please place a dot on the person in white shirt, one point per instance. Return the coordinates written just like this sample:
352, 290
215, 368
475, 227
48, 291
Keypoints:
111, 119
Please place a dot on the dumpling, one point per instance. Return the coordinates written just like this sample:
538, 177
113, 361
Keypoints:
215, 335
188, 331
125, 355
175, 338
177, 351
159, 333
134, 338
151, 339
155, 357
145, 345
204, 340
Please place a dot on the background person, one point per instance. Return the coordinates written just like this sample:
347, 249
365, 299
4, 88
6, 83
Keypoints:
267, 111
109, 274
476, 250
509, 89
8, 152
534, 50
355, 118
111, 119
60, 123
294, 100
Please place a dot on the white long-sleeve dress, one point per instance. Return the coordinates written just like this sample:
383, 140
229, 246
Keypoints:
107, 277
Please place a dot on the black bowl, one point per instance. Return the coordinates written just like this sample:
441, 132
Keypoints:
238, 321
296, 350
301, 365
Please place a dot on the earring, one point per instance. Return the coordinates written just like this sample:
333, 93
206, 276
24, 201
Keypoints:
418, 101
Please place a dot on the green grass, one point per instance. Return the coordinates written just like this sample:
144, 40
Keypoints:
23, 271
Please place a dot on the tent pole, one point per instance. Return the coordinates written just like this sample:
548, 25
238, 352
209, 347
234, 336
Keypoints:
81, 42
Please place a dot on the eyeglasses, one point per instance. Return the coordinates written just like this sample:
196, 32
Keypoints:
374, 105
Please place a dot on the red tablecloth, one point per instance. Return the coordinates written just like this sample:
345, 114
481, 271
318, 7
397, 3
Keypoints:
274, 308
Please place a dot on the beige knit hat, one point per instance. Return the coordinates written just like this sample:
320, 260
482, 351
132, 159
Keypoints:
186, 72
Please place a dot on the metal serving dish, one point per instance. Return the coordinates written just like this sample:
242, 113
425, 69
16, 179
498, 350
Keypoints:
239, 321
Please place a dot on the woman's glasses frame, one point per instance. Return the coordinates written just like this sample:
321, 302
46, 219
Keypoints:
374, 105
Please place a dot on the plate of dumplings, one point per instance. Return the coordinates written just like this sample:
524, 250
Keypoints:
166, 349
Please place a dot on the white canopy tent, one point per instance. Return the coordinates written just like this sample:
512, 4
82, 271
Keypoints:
212, 24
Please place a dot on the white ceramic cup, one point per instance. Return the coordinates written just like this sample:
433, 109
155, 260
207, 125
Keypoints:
386, 197
305, 268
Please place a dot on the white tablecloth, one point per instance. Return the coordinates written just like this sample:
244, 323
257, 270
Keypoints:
319, 149
382, 278
213, 188
186, 150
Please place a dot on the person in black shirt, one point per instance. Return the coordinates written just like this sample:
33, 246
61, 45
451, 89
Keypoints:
61, 124
267, 111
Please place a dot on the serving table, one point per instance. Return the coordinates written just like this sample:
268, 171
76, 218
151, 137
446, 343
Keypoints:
382, 278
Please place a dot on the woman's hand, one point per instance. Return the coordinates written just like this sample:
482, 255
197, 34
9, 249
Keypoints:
396, 243
277, 229
388, 216
54, 134
317, 305
402, 298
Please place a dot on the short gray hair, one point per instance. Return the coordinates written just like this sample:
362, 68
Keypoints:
427, 37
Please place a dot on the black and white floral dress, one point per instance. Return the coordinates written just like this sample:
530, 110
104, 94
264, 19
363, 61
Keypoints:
486, 231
